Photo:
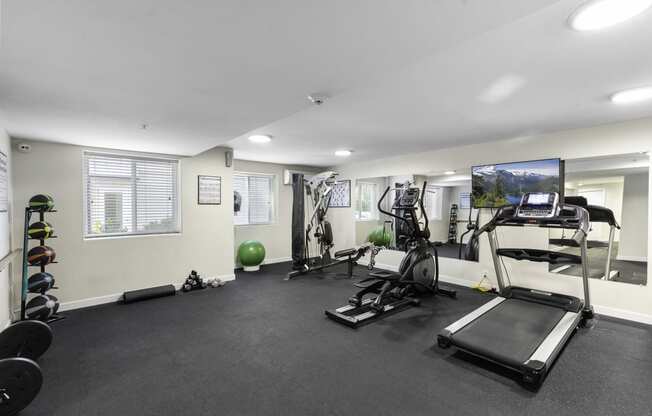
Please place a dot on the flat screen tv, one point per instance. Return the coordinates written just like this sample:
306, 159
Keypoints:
503, 184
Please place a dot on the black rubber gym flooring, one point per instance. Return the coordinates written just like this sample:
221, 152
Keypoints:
633, 272
262, 346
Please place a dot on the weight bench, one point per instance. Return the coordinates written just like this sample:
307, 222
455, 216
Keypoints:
350, 256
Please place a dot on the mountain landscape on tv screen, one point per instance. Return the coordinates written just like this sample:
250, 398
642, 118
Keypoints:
494, 186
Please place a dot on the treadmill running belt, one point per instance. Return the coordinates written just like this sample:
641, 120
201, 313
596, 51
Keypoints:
510, 332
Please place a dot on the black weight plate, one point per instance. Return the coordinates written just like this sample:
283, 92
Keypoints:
20, 381
28, 339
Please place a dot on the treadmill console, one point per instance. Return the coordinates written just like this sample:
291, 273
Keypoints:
538, 205
407, 199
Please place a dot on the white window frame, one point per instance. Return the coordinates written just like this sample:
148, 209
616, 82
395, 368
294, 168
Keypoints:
273, 198
428, 200
132, 155
375, 214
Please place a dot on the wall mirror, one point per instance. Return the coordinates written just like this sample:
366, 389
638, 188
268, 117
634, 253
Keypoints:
447, 202
615, 190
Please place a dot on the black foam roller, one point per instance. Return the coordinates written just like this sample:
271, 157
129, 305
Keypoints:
149, 293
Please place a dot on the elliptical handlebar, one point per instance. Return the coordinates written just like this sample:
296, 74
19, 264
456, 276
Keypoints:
423, 210
380, 208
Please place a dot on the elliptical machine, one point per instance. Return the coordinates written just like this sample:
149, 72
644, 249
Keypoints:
418, 272
470, 250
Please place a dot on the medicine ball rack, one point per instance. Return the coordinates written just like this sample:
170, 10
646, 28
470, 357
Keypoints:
25, 285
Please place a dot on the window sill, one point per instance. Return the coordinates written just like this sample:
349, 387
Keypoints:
269, 224
372, 220
120, 237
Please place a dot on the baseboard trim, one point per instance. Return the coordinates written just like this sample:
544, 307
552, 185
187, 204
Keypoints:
226, 277
88, 302
269, 261
391, 268
602, 310
640, 259
116, 297
442, 277
278, 260
623, 314
456, 281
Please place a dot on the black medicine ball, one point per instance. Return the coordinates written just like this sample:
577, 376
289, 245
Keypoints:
40, 230
40, 282
41, 256
42, 307
41, 203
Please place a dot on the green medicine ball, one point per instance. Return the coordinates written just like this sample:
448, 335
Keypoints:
40, 230
251, 254
41, 203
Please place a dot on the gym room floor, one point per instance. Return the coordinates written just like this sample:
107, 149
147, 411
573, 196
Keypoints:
633, 272
261, 345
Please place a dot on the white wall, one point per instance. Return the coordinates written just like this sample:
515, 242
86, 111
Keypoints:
5, 237
624, 300
276, 237
613, 195
633, 237
104, 268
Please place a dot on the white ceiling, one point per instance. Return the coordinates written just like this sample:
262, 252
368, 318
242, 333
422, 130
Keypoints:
558, 78
403, 76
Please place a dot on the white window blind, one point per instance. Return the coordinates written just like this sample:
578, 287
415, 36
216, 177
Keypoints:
433, 200
256, 193
366, 201
129, 195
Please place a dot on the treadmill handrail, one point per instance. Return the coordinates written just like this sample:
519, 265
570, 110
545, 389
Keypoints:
569, 217
599, 213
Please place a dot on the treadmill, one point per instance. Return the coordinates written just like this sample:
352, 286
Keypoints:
525, 329
596, 214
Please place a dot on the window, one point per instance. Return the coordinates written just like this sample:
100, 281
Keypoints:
256, 198
465, 200
365, 204
129, 195
433, 202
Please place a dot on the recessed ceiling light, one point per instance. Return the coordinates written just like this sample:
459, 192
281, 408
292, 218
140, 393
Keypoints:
599, 14
260, 138
449, 172
632, 96
343, 153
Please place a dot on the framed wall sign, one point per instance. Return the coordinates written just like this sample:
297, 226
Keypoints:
209, 190
341, 195
465, 200
4, 187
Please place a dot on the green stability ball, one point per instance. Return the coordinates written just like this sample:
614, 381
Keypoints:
380, 237
251, 254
